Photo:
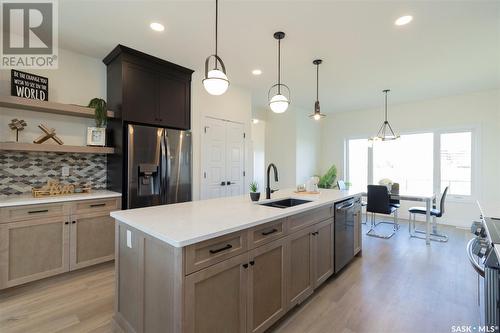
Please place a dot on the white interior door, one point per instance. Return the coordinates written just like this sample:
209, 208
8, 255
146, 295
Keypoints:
223, 162
214, 174
235, 158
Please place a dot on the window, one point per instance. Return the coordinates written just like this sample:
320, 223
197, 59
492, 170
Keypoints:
456, 162
358, 163
407, 161
420, 163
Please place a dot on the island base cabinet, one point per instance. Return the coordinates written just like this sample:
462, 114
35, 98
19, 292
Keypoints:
216, 297
92, 239
323, 251
300, 280
32, 250
266, 285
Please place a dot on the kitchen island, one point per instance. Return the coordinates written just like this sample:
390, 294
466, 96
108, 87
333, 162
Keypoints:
222, 265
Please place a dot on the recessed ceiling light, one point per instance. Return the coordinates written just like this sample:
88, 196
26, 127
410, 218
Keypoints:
157, 26
256, 72
403, 20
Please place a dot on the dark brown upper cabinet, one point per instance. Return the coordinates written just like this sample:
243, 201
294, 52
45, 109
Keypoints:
148, 90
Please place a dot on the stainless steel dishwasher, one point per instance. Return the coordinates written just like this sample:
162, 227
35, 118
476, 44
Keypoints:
344, 231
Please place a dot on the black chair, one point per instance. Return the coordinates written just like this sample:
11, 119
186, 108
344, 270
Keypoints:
341, 185
435, 235
379, 202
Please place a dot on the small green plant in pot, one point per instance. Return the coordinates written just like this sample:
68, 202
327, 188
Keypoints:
254, 195
96, 136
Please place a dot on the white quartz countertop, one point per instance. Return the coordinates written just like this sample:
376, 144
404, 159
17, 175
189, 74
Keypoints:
21, 200
191, 222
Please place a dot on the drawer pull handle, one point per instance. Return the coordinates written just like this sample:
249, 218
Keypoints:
38, 211
66, 222
97, 205
245, 265
227, 247
252, 262
265, 233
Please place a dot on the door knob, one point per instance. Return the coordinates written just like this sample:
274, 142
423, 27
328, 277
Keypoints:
222, 183
228, 183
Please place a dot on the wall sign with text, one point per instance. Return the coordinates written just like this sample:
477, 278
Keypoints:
28, 85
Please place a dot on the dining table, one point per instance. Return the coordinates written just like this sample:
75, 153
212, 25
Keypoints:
428, 198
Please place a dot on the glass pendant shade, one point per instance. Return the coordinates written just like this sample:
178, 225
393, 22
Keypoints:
281, 96
215, 81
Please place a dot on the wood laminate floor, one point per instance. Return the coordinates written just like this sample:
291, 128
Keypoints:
398, 285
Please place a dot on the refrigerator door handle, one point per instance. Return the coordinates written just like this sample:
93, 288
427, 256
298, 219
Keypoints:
163, 166
169, 165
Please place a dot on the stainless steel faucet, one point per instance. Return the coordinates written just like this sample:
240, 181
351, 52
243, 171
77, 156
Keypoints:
268, 187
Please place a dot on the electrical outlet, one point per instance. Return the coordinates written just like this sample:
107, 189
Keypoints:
65, 171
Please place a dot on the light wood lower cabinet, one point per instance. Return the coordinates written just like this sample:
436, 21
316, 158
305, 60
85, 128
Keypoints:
92, 239
216, 297
266, 285
300, 279
357, 232
32, 250
46, 240
323, 251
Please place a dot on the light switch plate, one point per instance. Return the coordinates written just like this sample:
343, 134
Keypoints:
65, 171
129, 239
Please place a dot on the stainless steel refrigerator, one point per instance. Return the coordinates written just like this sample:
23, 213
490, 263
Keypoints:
158, 165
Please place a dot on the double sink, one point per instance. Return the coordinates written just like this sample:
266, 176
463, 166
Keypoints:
285, 203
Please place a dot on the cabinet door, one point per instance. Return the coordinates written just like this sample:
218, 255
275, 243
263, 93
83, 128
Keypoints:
266, 285
140, 96
215, 298
300, 280
32, 250
174, 96
357, 232
323, 251
92, 239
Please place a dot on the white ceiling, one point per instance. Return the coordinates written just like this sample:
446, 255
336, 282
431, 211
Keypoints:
449, 48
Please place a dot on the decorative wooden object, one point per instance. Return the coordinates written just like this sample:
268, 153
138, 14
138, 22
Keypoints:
54, 188
17, 125
49, 134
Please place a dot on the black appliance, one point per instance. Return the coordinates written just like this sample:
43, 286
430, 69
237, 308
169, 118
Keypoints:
483, 253
344, 231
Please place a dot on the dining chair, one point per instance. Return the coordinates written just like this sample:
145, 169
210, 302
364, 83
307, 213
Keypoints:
379, 202
435, 213
395, 190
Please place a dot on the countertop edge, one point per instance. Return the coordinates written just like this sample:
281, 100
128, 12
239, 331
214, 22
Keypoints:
27, 201
191, 241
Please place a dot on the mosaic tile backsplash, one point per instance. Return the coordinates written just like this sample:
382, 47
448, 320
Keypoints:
20, 171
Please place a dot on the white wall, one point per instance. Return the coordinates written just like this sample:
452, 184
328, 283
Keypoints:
292, 143
235, 105
259, 153
480, 110
77, 80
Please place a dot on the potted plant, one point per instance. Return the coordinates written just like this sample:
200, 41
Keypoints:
254, 195
328, 179
96, 136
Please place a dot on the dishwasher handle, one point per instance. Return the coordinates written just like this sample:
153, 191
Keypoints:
346, 206
475, 264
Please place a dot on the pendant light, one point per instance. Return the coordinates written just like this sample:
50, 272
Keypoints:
215, 81
279, 102
385, 133
317, 115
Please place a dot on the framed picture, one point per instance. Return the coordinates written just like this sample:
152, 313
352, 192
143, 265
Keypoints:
96, 136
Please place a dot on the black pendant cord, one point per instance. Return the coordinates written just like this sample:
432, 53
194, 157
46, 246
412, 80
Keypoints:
317, 82
216, 29
279, 66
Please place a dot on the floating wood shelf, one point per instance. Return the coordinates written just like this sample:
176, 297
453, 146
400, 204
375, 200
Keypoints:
48, 107
14, 146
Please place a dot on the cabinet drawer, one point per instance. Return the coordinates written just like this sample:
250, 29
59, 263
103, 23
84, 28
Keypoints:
266, 233
89, 206
298, 221
212, 251
29, 212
